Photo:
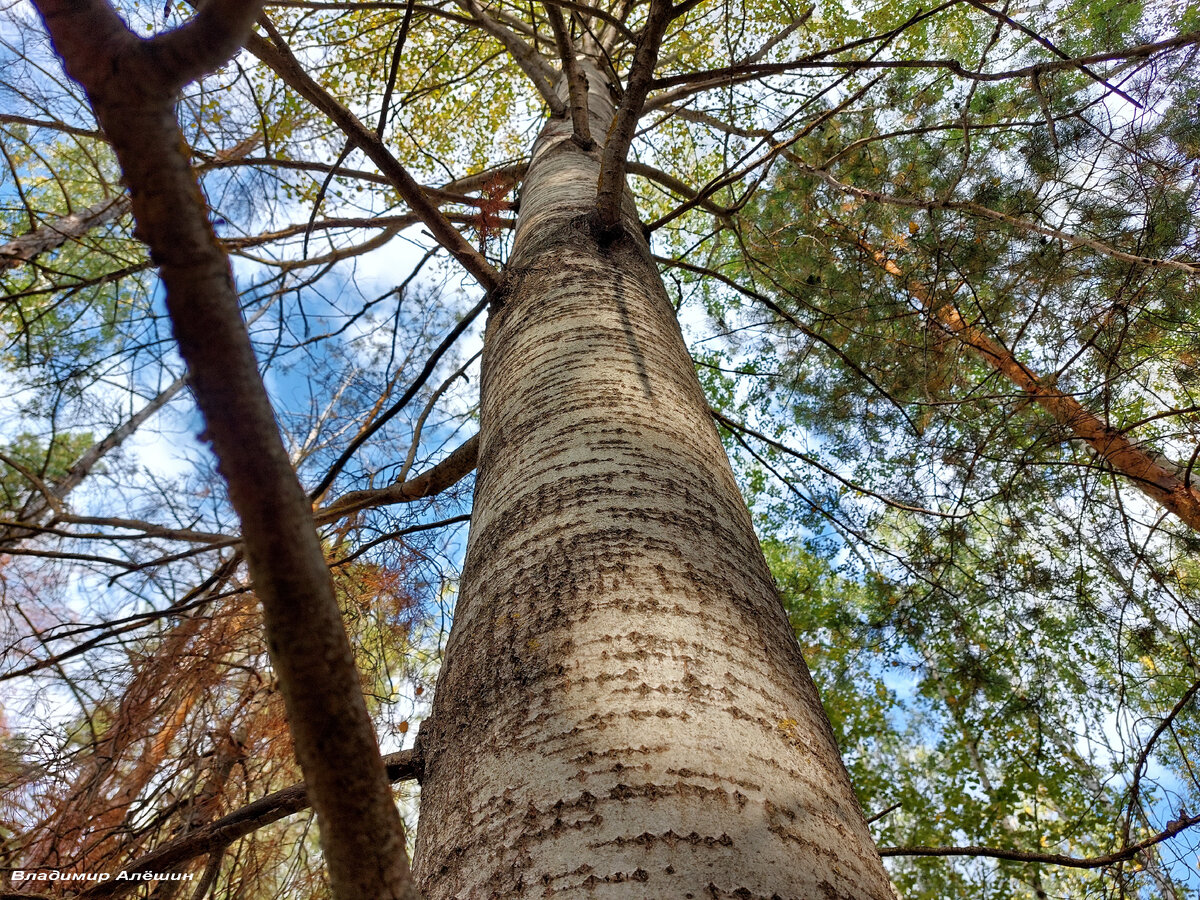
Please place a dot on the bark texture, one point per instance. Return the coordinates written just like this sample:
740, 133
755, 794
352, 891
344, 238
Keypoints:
623, 710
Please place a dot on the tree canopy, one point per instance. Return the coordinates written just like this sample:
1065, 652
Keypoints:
937, 266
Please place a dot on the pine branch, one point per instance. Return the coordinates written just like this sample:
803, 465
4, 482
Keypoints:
984, 212
1109, 444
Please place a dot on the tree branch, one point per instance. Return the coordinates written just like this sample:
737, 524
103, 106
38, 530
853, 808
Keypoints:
577, 88
1054, 859
749, 69
800, 326
816, 464
675, 186
220, 833
52, 235
738, 73
1001, 16
984, 212
776, 147
361, 833
108, 59
1144, 755
1108, 443
615, 22
455, 467
40, 504
205, 42
530, 61
276, 54
405, 399
27, 247
9, 119
611, 185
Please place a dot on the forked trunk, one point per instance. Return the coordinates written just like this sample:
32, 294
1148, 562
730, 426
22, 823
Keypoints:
623, 710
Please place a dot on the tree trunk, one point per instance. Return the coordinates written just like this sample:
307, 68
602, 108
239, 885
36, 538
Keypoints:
623, 710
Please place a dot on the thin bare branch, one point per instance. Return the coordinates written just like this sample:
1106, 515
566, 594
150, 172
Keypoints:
577, 88
276, 54
405, 399
739, 73
432, 481
675, 186
836, 476
1001, 16
41, 504
796, 323
1054, 859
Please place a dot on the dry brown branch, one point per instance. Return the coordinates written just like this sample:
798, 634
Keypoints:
220, 833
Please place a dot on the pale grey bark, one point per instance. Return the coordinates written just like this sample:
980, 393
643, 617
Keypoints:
53, 235
623, 710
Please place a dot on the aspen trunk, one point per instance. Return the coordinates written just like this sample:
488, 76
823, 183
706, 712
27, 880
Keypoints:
623, 710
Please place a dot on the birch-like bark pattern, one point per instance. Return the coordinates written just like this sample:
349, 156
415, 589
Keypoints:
623, 710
